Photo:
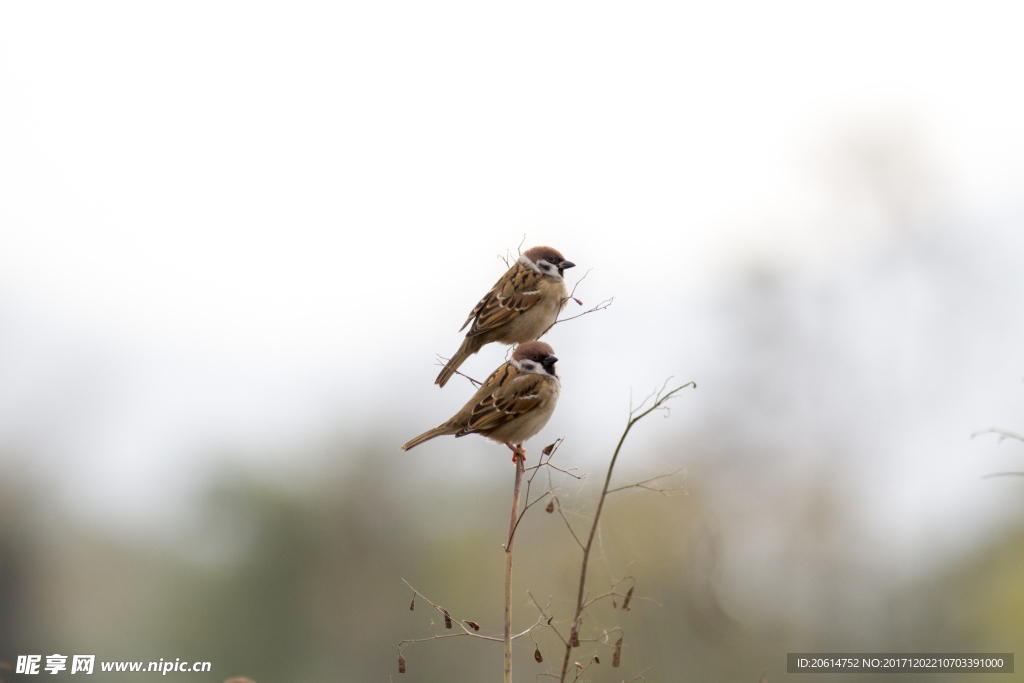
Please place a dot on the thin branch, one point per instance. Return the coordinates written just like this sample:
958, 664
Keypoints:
642, 484
508, 254
593, 658
520, 458
544, 613
572, 294
444, 612
558, 507
568, 471
612, 592
545, 461
443, 362
660, 397
600, 307
1003, 434
446, 635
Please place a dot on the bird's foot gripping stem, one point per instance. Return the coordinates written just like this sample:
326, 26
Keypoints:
517, 452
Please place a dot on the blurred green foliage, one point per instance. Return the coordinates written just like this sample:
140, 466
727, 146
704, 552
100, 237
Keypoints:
282, 582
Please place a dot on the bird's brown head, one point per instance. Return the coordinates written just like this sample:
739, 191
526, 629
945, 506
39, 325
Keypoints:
536, 356
547, 260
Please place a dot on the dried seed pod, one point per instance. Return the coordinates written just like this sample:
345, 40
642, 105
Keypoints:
597, 660
537, 655
617, 657
551, 507
547, 449
577, 301
473, 625
447, 619
401, 663
629, 594
578, 665
615, 605
550, 619
574, 637
412, 605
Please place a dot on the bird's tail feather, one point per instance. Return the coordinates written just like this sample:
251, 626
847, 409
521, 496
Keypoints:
467, 349
427, 436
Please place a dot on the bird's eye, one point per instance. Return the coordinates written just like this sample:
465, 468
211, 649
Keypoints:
536, 358
552, 259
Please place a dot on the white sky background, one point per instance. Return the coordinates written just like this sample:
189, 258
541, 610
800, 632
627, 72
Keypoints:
230, 225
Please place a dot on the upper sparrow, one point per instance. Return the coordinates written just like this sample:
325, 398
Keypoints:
520, 307
512, 405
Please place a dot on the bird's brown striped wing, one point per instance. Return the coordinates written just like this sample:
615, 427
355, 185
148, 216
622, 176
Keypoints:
514, 293
516, 395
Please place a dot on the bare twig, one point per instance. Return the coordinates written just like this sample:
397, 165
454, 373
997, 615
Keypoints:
545, 616
542, 621
572, 294
643, 484
507, 258
600, 307
520, 467
613, 593
463, 623
545, 461
558, 506
1003, 434
660, 397
443, 362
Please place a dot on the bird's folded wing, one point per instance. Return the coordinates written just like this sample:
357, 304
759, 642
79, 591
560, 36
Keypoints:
515, 397
513, 294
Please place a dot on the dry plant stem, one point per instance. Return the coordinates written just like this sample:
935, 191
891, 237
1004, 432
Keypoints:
635, 415
443, 362
544, 619
469, 628
1003, 436
520, 468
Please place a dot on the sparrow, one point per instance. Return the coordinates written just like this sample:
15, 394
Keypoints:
520, 307
512, 405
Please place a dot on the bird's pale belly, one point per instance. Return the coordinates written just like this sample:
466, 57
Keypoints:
529, 425
532, 323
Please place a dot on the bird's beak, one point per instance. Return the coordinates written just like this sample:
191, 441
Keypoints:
566, 264
549, 361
